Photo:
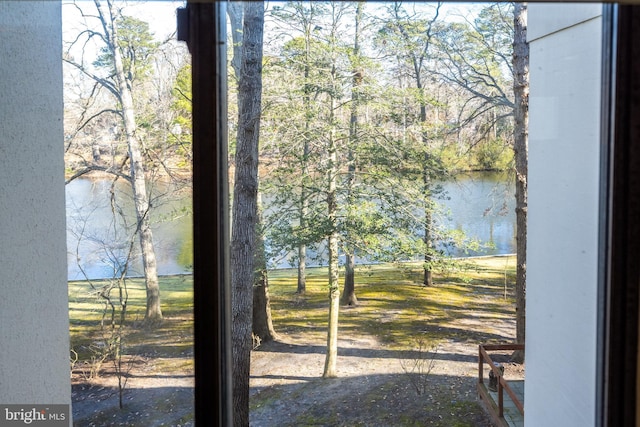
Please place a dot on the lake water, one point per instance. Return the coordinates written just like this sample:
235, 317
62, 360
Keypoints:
97, 244
481, 204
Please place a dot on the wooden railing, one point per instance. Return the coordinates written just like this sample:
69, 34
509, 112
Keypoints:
483, 358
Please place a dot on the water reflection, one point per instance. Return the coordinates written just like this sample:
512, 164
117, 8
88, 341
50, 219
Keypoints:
100, 229
483, 206
480, 204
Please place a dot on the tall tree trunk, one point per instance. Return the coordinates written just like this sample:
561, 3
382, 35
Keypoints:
262, 321
304, 202
302, 266
263, 329
349, 291
243, 240
332, 214
418, 60
521, 143
331, 359
427, 279
426, 191
153, 313
334, 287
303, 211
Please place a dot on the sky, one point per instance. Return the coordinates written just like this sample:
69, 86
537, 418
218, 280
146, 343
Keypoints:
160, 14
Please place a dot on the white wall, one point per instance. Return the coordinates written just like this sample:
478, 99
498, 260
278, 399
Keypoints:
562, 252
34, 337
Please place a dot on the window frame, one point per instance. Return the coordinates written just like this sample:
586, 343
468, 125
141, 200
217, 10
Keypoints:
619, 245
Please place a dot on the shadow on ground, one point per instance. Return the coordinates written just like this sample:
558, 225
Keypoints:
95, 405
370, 400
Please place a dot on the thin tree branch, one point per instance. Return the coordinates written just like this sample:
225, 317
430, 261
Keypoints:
105, 83
98, 168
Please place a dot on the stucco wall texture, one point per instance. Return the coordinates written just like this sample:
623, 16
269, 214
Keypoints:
34, 326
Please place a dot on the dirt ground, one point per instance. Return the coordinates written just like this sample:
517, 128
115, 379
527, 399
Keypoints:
374, 385
153, 395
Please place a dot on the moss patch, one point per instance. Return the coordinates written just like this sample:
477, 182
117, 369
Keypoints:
394, 308
90, 319
392, 296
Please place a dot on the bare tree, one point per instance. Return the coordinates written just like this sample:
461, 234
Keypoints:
245, 210
414, 39
521, 144
349, 291
120, 61
333, 240
332, 172
116, 250
476, 56
263, 329
299, 17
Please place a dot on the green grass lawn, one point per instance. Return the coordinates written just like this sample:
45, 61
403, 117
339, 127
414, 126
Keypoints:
392, 295
389, 294
394, 309
90, 318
